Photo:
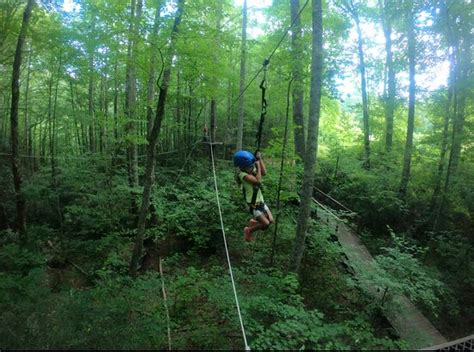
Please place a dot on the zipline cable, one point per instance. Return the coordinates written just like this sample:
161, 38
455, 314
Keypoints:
247, 347
290, 27
271, 54
263, 85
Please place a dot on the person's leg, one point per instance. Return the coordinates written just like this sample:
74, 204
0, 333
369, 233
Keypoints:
252, 222
268, 214
262, 223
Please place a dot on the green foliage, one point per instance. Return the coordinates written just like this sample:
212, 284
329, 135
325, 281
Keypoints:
400, 271
116, 311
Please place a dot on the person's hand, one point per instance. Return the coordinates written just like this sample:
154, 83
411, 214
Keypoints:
258, 155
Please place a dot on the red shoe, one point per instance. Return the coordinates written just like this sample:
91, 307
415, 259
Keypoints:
247, 234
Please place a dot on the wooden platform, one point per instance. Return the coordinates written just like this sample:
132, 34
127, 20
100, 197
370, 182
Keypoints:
411, 325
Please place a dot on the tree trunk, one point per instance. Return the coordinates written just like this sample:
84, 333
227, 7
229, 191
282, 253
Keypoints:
27, 133
75, 122
385, 14
312, 139
363, 88
411, 102
462, 88
452, 50
213, 112
152, 69
16, 167
349, 7
131, 93
190, 112
243, 57
178, 110
297, 71
53, 132
462, 81
92, 146
116, 89
151, 147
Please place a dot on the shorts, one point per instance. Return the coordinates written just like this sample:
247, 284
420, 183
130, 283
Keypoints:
259, 209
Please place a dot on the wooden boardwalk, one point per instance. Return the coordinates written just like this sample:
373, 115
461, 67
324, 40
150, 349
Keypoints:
411, 325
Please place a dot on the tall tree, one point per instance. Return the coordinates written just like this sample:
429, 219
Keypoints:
386, 11
410, 25
152, 69
243, 57
91, 90
131, 91
352, 9
459, 28
297, 71
16, 167
213, 111
452, 49
312, 139
463, 87
151, 147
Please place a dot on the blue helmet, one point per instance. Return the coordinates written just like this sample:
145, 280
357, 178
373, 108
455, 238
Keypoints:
243, 159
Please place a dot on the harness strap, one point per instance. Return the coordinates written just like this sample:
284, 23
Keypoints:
256, 188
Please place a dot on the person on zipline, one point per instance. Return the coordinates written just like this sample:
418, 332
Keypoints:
249, 177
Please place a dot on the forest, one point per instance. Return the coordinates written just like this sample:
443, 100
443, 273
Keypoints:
122, 219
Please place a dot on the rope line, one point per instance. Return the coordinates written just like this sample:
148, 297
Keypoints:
286, 32
334, 200
327, 210
271, 55
247, 347
165, 303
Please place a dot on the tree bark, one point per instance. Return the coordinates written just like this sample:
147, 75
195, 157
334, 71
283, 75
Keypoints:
152, 69
16, 166
213, 112
243, 58
52, 123
27, 133
411, 101
363, 88
312, 139
462, 86
151, 147
452, 50
385, 14
297, 71
131, 93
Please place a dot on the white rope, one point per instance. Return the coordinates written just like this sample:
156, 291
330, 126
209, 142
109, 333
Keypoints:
247, 347
327, 210
334, 200
165, 303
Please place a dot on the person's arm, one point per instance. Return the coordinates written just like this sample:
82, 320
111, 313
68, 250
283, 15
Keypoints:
257, 179
262, 164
